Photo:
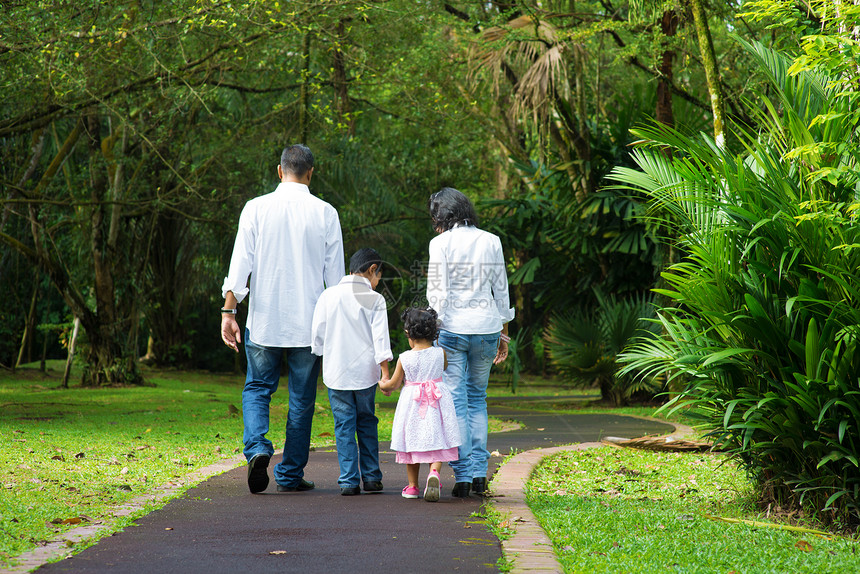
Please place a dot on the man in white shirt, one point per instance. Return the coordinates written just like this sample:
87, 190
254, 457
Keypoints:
289, 243
350, 331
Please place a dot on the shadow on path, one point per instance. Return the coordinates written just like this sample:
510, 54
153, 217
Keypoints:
218, 527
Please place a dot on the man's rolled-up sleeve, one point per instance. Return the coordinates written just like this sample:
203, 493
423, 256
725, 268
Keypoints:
242, 260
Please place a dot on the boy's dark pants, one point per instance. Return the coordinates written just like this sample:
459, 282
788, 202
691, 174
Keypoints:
355, 414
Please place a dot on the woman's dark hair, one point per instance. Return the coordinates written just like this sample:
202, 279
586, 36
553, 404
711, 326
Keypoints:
420, 324
363, 259
297, 160
449, 207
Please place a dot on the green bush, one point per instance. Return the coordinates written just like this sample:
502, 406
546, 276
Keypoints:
764, 312
583, 345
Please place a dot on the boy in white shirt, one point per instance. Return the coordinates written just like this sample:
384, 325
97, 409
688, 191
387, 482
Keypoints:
350, 330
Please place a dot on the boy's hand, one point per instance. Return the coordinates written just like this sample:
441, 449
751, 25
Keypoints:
383, 382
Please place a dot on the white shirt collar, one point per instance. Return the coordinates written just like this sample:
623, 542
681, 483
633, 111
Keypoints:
356, 279
292, 186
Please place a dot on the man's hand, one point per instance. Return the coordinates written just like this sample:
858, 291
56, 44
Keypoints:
231, 334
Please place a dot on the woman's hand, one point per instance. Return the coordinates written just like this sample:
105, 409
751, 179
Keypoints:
502, 353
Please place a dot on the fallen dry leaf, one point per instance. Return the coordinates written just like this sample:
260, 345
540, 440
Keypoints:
803, 545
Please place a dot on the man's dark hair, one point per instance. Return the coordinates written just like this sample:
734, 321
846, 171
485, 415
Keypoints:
363, 259
297, 160
420, 323
449, 207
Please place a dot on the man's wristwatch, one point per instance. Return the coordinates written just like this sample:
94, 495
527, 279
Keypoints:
230, 311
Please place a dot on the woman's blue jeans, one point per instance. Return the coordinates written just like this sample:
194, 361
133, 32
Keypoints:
355, 414
469, 360
264, 373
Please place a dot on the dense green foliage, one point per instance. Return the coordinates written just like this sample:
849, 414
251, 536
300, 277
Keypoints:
763, 314
584, 344
133, 132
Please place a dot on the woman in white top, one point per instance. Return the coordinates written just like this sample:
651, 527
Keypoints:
467, 285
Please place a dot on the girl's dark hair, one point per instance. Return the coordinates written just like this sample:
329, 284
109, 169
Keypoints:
420, 323
448, 207
363, 259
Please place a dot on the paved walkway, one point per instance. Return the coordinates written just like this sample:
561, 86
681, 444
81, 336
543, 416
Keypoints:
219, 527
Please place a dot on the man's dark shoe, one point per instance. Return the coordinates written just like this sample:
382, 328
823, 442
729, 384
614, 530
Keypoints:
479, 485
461, 489
258, 472
349, 490
373, 486
301, 487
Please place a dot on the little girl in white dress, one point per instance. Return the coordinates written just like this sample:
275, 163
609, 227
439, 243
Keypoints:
425, 425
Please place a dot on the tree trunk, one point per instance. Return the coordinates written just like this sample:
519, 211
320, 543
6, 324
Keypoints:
665, 112
26, 348
340, 81
71, 354
303, 94
107, 363
43, 361
712, 72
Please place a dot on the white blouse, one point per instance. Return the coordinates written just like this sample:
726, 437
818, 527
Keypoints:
467, 283
289, 243
350, 331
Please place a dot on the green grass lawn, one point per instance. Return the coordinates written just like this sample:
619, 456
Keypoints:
70, 456
625, 510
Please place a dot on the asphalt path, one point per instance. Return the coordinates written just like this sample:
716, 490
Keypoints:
219, 527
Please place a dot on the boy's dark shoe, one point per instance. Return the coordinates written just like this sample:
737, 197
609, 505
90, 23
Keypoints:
349, 490
303, 486
373, 486
258, 472
479, 485
461, 490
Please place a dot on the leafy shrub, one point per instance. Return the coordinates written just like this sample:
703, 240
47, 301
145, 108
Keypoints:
583, 345
765, 309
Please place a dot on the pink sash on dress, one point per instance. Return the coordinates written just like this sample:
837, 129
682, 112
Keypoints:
428, 395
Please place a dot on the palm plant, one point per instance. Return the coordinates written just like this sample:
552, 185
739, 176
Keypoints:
584, 345
764, 312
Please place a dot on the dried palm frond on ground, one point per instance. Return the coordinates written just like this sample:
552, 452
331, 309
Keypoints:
660, 443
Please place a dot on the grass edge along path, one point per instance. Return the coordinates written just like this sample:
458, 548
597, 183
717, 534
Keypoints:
532, 541
525, 545
79, 538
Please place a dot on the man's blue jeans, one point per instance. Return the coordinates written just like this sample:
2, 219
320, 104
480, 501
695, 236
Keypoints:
264, 372
355, 414
469, 360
